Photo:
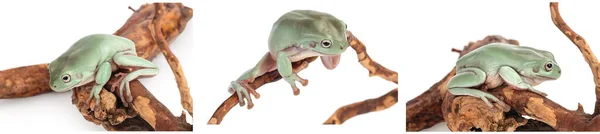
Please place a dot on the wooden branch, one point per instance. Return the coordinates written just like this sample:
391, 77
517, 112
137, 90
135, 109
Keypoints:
588, 55
371, 105
33, 80
184, 90
375, 69
269, 77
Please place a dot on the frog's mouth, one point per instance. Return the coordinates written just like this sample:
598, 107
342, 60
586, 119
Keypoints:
545, 77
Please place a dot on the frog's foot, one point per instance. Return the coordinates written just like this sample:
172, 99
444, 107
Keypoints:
525, 86
486, 97
291, 79
116, 85
243, 91
95, 93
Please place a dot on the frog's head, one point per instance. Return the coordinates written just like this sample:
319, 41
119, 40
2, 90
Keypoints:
542, 68
329, 37
62, 80
548, 70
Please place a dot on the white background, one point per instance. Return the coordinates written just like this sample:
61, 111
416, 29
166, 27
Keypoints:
233, 37
38, 33
435, 28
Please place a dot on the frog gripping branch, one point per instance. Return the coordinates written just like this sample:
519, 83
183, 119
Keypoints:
296, 35
314, 46
146, 113
93, 58
467, 113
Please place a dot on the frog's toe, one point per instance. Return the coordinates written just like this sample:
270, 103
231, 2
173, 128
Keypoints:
487, 102
243, 92
296, 90
96, 105
304, 82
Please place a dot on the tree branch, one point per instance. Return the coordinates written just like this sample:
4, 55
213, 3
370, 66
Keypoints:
375, 69
588, 55
268, 77
370, 105
184, 90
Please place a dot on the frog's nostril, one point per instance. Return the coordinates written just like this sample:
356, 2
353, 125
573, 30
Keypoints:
54, 86
559, 71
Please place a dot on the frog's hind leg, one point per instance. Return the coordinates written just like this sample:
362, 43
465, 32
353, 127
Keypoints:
462, 82
141, 68
241, 87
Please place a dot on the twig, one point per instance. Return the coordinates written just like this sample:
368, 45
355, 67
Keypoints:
268, 77
589, 56
156, 31
371, 105
375, 69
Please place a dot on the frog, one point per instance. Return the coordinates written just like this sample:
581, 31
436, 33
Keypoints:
296, 35
93, 59
497, 64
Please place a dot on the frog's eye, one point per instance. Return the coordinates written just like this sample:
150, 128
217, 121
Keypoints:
549, 66
66, 78
326, 43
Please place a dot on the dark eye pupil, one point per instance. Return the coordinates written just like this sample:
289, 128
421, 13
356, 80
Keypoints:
549, 65
326, 43
65, 78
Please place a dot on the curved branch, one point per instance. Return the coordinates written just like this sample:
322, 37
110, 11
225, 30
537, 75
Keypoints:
375, 69
157, 32
371, 105
588, 55
268, 77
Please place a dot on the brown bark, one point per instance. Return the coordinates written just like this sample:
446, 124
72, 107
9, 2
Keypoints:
463, 113
375, 69
268, 77
370, 105
588, 55
153, 115
184, 90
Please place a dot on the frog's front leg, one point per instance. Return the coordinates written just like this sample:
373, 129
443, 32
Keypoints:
513, 79
462, 82
141, 67
241, 87
102, 76
285, 69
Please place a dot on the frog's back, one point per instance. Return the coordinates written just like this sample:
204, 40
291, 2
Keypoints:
292, 25
491, 56
95, 48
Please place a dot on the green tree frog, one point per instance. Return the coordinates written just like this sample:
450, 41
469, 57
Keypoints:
495, 64
93, 58
296, 35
